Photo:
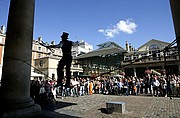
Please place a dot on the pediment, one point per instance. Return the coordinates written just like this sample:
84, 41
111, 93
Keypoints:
153, 45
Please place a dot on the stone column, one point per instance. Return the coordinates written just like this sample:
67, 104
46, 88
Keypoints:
175, 8
15, 90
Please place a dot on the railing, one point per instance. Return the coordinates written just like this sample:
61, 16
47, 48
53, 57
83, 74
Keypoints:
152, 59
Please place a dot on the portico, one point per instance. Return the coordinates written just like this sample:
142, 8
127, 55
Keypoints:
15, 83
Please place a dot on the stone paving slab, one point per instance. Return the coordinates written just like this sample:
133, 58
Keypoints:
94, 106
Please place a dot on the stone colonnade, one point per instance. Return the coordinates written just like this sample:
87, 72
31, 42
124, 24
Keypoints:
15, 84
175, 8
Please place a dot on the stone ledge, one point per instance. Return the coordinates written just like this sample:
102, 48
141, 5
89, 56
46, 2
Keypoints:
115, 107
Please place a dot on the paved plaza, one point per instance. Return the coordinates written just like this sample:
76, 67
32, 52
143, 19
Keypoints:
94, 106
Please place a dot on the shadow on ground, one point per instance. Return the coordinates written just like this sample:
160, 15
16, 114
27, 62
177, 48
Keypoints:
103, 110
48, 110
57, 105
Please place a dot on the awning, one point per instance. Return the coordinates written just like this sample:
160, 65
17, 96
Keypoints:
33, 74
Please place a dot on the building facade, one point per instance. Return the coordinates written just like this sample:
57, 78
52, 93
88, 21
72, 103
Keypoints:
133, 62
44, 62
103, 61
2, 43
151, 56
82, 48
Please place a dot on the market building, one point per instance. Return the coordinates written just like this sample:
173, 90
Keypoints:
105, 60
151, 56
113, 59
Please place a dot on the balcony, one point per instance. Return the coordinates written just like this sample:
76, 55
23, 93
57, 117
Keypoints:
144, 60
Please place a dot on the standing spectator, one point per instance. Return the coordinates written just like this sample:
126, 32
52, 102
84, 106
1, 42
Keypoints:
96, 86
130, 86
37, 89
86, 86
155, 86
115, 87
82, 86
120, 86
75, 85
142, 85
137, 86
169, 91
146, 85
173, 84
149, 83
47, 87
32, 89
162, 86
178, 86
63, 89
126, 87
91, 88
53, 90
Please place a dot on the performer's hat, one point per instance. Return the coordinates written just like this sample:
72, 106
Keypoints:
65, 35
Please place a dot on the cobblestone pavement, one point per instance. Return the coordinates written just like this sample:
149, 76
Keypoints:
164, 108
94, 106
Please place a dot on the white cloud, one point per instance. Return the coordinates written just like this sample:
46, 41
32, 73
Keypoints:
126, 26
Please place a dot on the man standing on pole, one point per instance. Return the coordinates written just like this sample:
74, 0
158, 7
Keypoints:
66, 59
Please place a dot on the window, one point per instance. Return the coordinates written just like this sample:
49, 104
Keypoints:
41, 63
153, 46
39, 48
39, 55
1, 40
75, 66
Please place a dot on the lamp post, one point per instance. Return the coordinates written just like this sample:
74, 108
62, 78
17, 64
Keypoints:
165, 63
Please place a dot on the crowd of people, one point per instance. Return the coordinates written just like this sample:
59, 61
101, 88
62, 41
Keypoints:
150, 84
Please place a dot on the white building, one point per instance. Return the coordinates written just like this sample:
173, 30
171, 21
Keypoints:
82, 48
2, 43
46, 62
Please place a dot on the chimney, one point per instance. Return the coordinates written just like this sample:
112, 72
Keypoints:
40, 39
3, 29
52, 42
127, 46
134, 49
130, 48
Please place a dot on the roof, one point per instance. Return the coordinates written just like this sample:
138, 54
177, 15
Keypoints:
107, 44
153, 41
102, 51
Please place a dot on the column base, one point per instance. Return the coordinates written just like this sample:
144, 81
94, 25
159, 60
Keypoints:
26, 112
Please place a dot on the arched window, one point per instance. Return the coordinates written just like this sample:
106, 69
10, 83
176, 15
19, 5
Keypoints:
153, 46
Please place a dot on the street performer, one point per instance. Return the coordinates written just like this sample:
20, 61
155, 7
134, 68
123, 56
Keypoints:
66, 59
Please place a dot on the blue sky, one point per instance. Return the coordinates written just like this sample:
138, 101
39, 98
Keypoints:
99, 21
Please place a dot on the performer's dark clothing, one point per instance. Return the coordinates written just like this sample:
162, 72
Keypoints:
66, 60
169, 92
